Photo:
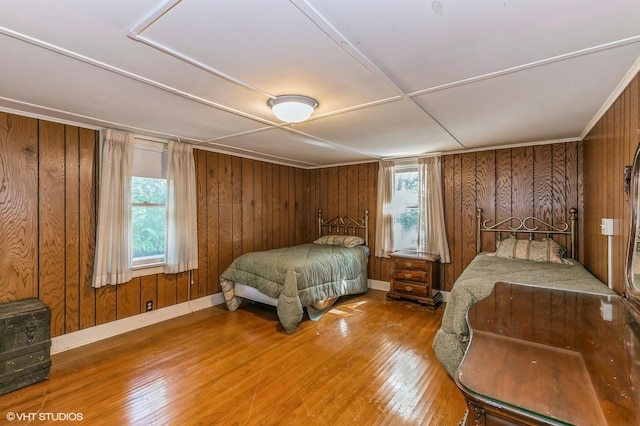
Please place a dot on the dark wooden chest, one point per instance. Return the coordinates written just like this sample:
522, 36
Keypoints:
25, 343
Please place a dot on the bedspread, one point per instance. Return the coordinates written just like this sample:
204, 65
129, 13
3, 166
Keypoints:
298, 276
477, 281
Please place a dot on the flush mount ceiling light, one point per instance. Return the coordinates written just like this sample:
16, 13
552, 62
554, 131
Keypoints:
292, 108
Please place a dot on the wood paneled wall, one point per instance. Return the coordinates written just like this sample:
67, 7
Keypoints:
47, 218
48, 196
348, 190
246, 205
608, 148
544, 181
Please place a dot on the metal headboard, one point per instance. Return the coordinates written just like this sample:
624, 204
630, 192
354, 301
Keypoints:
345, 225
529, 225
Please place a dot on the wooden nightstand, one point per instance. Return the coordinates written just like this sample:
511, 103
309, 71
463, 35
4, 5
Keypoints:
412, 277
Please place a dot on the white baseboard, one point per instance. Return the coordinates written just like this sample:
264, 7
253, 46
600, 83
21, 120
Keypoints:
114, 328
379, 285
110, 329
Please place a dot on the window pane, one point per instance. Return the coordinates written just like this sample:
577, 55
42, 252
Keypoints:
405, 210
148, 190
148, 221
148, 230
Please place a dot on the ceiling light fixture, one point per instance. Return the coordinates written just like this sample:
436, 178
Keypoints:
292, 108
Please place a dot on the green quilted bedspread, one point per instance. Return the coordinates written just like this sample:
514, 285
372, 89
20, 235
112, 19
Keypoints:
298, 276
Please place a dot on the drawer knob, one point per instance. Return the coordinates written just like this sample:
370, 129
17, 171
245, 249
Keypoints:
408, 288
407, 263
407, 275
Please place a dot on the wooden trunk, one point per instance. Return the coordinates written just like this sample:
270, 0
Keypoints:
25, 343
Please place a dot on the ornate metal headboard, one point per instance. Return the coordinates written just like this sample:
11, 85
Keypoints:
344, 225
529, 225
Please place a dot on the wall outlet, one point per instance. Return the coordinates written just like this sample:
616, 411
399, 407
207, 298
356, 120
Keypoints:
149, 305
607, 226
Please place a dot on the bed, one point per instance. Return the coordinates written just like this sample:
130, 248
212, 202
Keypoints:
531, 261
308, 276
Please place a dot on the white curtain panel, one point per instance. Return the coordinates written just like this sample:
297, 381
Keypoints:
113, 240
182, 215
384, 217
432, 236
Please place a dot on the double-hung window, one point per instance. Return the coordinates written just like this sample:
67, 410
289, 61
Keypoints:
148, 203
404, 207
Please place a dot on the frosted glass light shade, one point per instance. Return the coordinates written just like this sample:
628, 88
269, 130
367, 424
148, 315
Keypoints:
292, 108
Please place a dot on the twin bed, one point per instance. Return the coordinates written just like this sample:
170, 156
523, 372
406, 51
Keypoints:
531, 261
310, 276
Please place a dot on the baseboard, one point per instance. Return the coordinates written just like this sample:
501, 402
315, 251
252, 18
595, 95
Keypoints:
379, 285
114, 328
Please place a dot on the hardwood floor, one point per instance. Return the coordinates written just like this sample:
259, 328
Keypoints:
369, 361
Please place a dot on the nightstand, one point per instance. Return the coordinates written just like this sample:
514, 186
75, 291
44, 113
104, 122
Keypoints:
413, 275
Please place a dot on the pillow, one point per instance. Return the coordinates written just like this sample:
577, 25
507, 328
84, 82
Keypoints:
340, 240
545, 250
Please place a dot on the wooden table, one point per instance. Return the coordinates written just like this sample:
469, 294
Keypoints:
544, 356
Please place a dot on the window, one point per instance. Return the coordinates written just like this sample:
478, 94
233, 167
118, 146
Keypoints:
404, 208
148, 203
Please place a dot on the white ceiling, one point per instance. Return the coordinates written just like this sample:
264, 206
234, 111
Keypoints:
392, 78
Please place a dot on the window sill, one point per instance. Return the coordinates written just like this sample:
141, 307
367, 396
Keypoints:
144, 270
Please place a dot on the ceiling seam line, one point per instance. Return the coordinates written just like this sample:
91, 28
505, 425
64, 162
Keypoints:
135, 34
258, 154
340, 41
86, 117
93, 62
529, 65
127, 74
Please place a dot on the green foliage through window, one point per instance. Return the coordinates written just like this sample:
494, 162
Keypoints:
148, 216
405, 210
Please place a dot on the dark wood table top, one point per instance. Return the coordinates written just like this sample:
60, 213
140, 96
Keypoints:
555, 356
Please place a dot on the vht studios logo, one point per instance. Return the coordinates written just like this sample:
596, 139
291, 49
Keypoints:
44, 417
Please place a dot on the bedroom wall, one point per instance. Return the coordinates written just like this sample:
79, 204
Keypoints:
48, 198
47, 220
608, 148
544, 181
246, 205
349, 190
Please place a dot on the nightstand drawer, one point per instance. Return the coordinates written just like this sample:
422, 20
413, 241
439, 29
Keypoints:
409, 264
410, 275
410, 288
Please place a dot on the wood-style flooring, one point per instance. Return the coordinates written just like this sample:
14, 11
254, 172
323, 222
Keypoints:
367, 362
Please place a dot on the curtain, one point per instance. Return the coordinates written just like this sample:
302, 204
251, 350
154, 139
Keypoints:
113, 240
384, 216
181, 248
432, 236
